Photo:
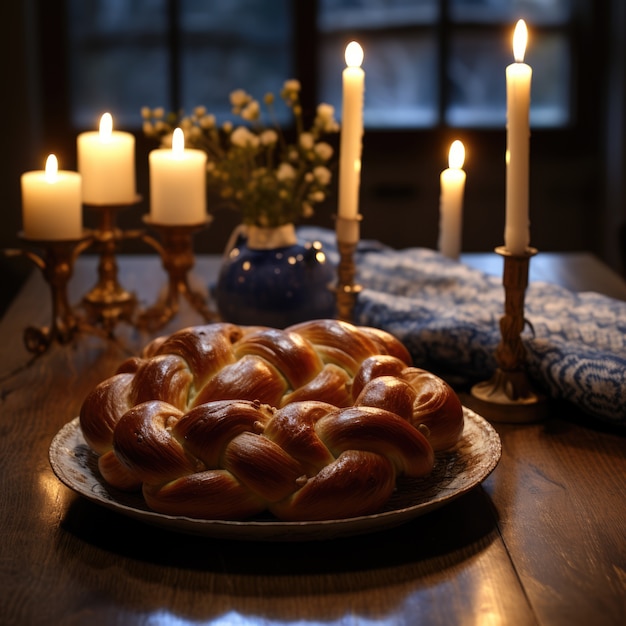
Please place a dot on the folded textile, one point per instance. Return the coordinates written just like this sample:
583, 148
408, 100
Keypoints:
447, 314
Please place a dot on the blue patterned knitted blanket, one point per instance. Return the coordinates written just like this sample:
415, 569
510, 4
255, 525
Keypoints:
447, 314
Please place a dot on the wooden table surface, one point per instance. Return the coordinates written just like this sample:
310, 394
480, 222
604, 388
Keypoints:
541, 541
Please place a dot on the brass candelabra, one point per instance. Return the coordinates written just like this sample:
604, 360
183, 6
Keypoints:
347, 289
509, 395
175, 247
56, 261
108, 303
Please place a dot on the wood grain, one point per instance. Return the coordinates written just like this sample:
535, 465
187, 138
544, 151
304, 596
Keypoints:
541, 542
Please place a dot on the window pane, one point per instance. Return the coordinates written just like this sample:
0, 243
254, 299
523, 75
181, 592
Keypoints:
476, 74
498, 11
234, 44
121, 61
118, 60
358, 14
401, 86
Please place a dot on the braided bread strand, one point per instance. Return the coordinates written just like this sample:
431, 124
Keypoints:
230, 460
316, 421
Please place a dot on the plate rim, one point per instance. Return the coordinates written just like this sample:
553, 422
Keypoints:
61, 457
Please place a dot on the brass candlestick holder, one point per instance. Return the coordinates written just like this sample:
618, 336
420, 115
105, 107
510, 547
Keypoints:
108, 302
347, 289
56, 263
176, 251
509, 395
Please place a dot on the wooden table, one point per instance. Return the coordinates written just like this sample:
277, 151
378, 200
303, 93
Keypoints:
541, 541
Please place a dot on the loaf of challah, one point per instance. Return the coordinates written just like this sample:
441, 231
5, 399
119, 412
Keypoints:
313, 422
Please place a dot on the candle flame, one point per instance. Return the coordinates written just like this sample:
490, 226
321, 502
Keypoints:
178, 142
106, 127
456, 156
354, 54
52, 169
520, 39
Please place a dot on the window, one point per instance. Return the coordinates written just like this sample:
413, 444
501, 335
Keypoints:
433, 62
173, 53
429, 62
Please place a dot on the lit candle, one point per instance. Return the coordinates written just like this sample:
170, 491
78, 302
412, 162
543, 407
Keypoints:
451, 202
351, 132
518, 78
51, 203
106, 161
178, 183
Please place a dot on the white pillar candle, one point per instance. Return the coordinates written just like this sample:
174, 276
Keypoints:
51, 203
451, 202
178, 184
106, 161
351, 132
518, 79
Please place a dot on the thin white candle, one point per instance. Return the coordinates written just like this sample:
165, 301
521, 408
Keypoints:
106, 161
518, 79
353, 78
451, 202
51, 203
178, 184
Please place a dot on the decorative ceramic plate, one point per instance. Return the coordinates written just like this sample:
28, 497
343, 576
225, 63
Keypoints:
456, 471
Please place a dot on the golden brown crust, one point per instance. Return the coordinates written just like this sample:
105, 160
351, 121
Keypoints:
436, 406
357, 483
316, 421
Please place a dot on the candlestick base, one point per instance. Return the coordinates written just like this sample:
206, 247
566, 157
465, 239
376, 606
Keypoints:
347, 289
56, 263
108, 303
177, 257
509, 395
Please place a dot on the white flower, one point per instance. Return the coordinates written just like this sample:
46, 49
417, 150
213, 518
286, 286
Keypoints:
323, 150
306, 141
253, 167
326, 112
322, 174
161, 127
207, 121
252, 111
243, 138
285, 172
239, 98
292, 85
268, 137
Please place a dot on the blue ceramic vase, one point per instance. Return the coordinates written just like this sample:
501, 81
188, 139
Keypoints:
276, 286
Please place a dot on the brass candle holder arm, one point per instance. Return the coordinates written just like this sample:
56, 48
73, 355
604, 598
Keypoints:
175, 247
56, 263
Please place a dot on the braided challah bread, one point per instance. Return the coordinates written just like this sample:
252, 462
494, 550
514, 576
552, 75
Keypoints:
313, 422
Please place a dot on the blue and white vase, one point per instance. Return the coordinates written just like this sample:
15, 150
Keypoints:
271, 278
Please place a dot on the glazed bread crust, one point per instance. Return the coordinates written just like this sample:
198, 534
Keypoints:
316, 421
